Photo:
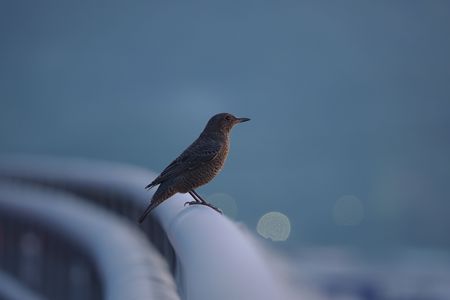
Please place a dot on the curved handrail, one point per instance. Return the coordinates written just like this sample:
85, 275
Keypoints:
218, 259
214, 258
128, 266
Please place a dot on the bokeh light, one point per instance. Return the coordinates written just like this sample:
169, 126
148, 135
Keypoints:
275, 226
348, 211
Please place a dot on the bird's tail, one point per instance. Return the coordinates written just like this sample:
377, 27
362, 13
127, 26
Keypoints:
149, 208
149, 186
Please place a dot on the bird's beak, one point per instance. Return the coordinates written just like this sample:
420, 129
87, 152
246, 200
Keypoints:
241, 120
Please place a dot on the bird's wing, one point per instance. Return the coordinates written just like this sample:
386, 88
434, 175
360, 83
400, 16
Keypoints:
193, 157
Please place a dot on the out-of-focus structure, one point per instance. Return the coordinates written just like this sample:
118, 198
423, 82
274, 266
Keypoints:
68, 230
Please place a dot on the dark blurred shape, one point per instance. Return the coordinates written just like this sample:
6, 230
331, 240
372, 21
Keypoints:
12, 289
342, 273
63, 248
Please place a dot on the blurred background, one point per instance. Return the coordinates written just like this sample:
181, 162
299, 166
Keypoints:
348, 145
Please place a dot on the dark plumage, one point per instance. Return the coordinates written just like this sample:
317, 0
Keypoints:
197, 165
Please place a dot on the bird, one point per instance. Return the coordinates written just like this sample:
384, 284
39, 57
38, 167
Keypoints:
197, 165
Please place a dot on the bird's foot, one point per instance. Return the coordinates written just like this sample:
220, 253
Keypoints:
213, 207
205, 204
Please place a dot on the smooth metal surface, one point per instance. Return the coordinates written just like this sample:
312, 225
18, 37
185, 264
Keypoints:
218, 260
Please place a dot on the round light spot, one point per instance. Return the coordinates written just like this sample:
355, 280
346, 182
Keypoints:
275, 226
225, 202
348, 211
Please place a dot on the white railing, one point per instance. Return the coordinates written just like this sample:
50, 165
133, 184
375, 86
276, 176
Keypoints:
73, 244
209, 255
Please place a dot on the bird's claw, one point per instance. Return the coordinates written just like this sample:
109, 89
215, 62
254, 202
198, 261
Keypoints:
205, 204
213, 207
216, 209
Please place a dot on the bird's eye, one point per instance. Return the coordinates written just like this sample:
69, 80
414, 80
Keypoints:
228, 118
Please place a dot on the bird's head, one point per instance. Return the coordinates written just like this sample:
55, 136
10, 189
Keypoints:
222, 123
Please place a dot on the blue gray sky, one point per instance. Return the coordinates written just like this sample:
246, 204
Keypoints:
348, 100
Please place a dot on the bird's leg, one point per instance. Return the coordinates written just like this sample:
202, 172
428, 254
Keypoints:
203, 202
197, 200
195, 196
198, 197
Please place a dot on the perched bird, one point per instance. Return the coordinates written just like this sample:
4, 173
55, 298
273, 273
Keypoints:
197, 165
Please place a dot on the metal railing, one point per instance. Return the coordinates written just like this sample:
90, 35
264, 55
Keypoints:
63, 248
209, 255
